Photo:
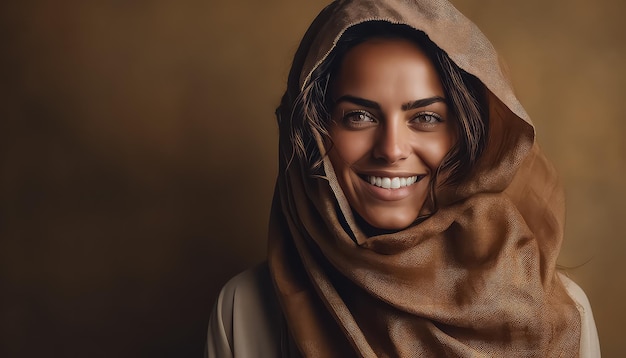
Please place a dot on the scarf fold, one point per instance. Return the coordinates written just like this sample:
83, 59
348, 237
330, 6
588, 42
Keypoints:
475, 279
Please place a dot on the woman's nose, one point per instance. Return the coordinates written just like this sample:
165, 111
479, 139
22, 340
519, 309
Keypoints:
392, 143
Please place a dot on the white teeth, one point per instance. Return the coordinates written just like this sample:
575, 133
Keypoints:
392, 183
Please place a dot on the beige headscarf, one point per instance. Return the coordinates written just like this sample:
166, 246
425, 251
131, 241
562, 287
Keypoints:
476, 279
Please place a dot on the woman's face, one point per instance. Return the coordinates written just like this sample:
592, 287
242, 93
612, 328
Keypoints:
390, 130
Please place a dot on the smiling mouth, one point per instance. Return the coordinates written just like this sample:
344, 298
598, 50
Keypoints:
392, 183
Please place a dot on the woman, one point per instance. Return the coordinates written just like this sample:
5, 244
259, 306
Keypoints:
413, 213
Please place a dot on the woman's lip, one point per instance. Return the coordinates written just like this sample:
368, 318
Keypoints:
391, 182
389, 174
391, 194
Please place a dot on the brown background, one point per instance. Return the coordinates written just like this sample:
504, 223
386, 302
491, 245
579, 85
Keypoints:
138, 154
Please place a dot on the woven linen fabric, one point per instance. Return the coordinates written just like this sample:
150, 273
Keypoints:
477, 278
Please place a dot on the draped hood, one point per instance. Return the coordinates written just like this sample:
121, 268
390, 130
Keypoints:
476, 278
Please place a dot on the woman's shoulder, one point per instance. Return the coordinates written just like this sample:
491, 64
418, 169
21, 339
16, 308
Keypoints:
246, 319
589, 343
255, 281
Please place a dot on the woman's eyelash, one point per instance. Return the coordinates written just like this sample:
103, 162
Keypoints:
431, 117
358, 117
362, 118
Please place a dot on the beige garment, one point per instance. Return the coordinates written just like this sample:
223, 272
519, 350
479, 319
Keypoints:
246, 321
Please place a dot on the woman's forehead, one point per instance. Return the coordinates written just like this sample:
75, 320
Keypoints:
387, 69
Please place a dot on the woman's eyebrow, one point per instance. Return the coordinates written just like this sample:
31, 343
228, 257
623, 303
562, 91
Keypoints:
358, 101
422, 103
374, 105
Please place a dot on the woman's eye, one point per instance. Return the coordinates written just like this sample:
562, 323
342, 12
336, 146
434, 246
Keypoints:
358, 119
427, 119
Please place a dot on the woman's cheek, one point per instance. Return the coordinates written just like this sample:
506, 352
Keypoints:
351, 146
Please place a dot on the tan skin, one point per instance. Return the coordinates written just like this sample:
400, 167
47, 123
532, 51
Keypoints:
390, 130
